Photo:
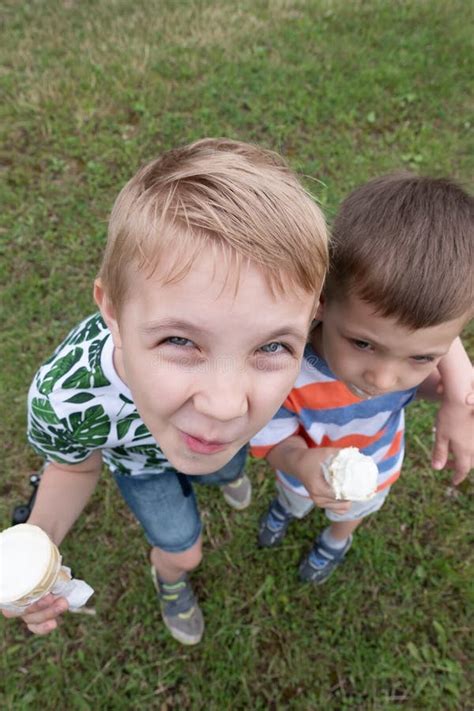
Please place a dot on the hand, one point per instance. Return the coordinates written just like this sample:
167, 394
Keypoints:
41, 617
455, 436
469, 399
312, 477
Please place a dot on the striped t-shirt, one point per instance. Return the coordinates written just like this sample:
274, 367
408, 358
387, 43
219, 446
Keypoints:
326, 413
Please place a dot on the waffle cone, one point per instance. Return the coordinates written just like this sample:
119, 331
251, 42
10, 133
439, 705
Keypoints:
48, 580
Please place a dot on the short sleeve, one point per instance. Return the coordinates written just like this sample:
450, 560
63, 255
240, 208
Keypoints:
48, 433
284, 424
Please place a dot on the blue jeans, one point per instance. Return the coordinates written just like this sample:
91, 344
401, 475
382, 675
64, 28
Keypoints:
165, 504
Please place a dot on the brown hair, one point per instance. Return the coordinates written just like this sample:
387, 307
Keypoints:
240, 199
405, 244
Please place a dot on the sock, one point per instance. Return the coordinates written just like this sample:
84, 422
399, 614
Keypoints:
331, 541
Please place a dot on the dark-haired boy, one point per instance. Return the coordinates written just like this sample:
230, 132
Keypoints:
398, 294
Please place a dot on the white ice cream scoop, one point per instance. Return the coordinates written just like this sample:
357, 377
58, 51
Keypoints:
351, 475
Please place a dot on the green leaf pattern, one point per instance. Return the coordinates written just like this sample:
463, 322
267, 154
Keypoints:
77, 405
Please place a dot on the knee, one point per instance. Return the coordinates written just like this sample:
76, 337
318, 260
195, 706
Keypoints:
191, 558
184, 561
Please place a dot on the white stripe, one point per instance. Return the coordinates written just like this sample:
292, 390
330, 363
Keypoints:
309, 375
276, 431
368, 426
380, 454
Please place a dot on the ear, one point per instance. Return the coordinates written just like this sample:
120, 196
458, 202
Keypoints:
107, 311
320, 309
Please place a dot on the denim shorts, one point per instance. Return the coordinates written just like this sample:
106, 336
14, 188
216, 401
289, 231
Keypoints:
165, 504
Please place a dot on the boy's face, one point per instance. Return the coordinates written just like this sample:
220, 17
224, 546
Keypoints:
207, 364
374, 355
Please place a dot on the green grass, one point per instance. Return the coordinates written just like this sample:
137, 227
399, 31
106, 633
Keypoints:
346, 91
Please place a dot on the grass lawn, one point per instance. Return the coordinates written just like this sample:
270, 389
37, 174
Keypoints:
345, 90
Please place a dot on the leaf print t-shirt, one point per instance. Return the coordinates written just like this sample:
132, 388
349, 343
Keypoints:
77, 404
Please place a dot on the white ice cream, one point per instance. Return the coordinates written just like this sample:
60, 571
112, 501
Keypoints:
25, 555
352, 475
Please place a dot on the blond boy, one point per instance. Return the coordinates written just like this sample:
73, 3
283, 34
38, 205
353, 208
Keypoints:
214, 260
398, 294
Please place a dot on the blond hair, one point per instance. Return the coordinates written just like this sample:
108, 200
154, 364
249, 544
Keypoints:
405, 244
239, 199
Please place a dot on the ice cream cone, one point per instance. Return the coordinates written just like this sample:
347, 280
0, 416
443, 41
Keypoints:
29, 565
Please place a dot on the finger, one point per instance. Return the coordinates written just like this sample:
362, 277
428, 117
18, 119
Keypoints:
461, 463
458, 478
333, 505
42, 604
45, 602
43, 628
324, 490
339, 508
462, 467
9, 615
440, 452
49, 613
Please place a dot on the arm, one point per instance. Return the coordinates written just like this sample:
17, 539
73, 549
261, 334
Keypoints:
453, 383
63, 492
295, 457
62, 495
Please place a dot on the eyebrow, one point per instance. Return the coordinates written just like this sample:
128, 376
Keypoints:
156, 327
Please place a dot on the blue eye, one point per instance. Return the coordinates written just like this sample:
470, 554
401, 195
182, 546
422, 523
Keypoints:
274, 347
179, 341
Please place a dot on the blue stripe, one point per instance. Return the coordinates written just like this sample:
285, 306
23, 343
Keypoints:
391, 427
283, 413
388, 464
292, 481
346, 414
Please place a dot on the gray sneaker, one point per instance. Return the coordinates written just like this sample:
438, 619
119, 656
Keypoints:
238, 493
179, 609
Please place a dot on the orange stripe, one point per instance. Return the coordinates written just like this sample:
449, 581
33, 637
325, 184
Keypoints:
353, 440
327, 396
395, 446
389, 481
261, 451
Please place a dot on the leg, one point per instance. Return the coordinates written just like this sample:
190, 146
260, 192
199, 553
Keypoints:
287, 506
165, 505
333, 543
173, 566
341, 530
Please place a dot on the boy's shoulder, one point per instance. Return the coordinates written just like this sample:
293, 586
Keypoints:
76, 392
78, 362
77, 402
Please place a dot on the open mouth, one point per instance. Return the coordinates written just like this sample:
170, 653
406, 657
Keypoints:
203, 446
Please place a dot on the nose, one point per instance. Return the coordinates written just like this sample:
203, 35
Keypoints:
222, 395
382, 377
